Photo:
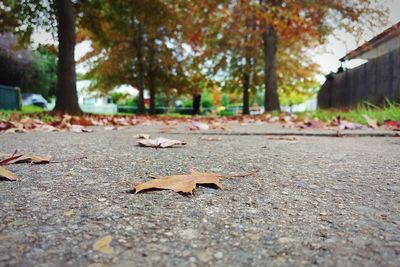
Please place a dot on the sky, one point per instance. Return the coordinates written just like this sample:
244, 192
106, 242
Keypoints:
335, 48
327, 56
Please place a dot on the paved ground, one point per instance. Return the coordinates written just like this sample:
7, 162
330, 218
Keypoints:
327, 201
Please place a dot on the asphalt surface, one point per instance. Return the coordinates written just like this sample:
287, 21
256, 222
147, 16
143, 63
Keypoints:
317, 200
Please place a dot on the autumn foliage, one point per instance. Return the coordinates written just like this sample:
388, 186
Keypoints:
180, 47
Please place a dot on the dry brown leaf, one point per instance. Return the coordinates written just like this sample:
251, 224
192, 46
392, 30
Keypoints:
285, 138
185, 183
112, 128
166, 130
79, 129
103, 245
313, 124
46, 128
25, 158
371, 123
160, 142
198, 126
211, 138
15, 130
5, 174
7, 158
142, 136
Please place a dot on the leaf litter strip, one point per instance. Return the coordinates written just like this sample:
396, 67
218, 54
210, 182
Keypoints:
336, 134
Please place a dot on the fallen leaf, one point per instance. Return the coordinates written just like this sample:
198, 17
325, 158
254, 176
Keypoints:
142, 136
392, 125
111, 128
371, 123
211, 138
76, 120
313, 124
285, 138
103, 245
69, 213
185, 183
25, 158
166, 130
10, 158
5, 174
46, 128
160, 142
79, 129
195, 126
345, 125
15, 130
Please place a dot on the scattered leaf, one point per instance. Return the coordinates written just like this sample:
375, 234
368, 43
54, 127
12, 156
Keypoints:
166, 130
345, 125
8, 159
142, 136
285, 138
25, 158
313, 124
5, 174
69, 213
196, 126
371, 123
185, 183
392, 125
160, 142
112, 128
79, 129
211, 138
103, 245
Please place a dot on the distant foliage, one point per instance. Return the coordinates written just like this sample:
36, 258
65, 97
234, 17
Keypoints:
37, 74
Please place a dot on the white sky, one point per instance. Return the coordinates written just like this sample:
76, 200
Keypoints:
327, 56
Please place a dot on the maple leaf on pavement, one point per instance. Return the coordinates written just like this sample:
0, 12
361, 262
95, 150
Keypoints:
186, 183
25, 158
5, 174
159, 142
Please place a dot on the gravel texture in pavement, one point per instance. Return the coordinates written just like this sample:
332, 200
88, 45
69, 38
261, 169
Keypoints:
326, 201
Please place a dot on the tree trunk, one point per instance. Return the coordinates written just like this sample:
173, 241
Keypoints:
246, 93
66, 94
152, 81
140, 70
152, 90
196, 104
271, 99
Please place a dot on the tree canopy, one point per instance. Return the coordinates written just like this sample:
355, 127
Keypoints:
178, 46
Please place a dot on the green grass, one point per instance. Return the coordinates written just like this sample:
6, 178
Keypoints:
31, 109
27, 111
391, 111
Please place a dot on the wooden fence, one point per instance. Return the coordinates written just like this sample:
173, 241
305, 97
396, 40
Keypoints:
372, 82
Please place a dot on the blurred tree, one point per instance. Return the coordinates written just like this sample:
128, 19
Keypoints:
22, 17
34, 73
136, 43
306, 23
247, 41
44, 79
